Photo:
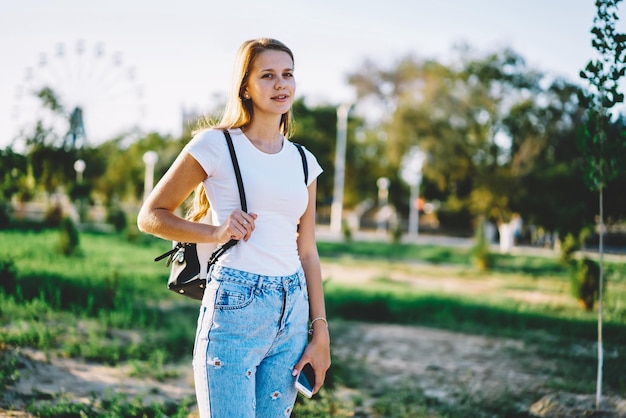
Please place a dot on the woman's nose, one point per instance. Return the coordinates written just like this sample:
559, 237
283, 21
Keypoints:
280, 83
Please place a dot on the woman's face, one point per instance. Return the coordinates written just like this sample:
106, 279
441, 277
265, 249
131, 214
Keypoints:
271, 84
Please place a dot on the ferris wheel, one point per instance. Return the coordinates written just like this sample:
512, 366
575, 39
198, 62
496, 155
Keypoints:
83, 93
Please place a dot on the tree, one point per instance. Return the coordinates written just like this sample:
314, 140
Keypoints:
315, 129
546, 161
123, 171
489, 124
13, 172
50, 161
603, 154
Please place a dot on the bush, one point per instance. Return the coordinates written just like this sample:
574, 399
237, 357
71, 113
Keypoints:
117, 217
346, 232
480, 253
585, 280
8, 368
568, 247
69, 240
54, 216
396, 233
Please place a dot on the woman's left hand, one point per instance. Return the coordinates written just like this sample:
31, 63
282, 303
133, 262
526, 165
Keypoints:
317, 353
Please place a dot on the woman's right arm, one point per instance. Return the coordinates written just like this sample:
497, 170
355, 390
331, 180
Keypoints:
157, 215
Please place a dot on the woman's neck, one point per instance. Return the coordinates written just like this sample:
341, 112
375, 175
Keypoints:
266, 137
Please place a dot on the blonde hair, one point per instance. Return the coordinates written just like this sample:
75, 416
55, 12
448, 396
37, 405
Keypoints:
200, 206
238, 112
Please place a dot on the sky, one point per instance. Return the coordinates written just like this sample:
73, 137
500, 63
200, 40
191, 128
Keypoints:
175, 55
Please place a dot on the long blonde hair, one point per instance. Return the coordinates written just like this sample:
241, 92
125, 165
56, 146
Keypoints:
200, 206
239, 111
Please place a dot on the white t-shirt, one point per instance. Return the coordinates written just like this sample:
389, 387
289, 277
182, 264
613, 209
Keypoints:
274, 189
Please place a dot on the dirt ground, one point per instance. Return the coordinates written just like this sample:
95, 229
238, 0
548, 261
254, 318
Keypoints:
446, 366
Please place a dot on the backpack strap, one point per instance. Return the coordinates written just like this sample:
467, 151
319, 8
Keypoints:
242, 197
233, 157
305, 165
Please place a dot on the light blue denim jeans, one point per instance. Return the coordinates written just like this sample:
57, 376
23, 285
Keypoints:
252, 330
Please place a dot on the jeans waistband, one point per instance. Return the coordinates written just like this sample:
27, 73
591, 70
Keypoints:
221, 273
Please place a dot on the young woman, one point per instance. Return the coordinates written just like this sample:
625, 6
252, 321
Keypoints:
252, 337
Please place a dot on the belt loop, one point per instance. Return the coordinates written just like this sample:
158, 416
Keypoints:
259, 283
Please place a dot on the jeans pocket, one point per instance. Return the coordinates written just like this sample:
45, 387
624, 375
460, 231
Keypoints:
233, 296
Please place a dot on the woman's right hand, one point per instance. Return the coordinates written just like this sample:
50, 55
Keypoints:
239, 225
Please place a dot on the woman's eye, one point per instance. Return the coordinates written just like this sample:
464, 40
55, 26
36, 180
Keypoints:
267, 75
288, 75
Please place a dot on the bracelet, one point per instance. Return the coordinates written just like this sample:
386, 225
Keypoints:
319, 318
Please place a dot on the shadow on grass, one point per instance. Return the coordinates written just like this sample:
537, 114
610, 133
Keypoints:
570, 341
458, 315
113, 304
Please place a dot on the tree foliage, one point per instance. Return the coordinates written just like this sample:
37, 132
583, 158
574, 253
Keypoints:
604, 154
500, 138
498, 134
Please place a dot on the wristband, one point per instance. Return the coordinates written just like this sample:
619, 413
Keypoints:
319, 318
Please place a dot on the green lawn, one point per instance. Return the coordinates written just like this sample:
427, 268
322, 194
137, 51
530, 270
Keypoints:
69, 305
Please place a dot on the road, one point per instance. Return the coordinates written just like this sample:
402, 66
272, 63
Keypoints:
324, 233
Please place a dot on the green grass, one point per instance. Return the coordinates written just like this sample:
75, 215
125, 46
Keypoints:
533, 266
368, 250
113, 284
93, 304
110, 406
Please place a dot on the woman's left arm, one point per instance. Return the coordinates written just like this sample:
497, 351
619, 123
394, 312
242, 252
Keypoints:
317, 351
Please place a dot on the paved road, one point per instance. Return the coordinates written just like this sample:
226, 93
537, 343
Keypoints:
324, 233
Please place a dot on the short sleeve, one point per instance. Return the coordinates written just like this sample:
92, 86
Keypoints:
207, 147
315, 169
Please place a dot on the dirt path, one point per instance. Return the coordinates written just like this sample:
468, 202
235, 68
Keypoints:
78, 379
444, 365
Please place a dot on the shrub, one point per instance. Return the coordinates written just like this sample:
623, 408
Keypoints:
54, 216
117, 217
480, 253
346, 232
396, 233
585, 280
69, 242
133, 234
568, 247
572, 244
8, 368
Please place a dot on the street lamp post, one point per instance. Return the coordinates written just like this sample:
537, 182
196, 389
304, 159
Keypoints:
383, 191
79, 167
336, 209
150, 158
411, 173
383, 214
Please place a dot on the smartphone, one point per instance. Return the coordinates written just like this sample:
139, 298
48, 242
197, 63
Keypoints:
306, 381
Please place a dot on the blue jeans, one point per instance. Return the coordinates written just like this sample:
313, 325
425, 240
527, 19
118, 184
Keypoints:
252, 330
